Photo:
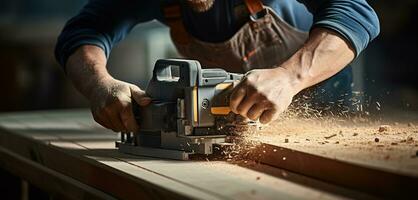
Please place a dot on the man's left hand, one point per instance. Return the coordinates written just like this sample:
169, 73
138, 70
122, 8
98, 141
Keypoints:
263, 94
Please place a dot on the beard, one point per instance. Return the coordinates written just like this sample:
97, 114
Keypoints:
200, 5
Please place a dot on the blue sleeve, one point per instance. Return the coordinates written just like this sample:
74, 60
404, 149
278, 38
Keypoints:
355, 20
103, 23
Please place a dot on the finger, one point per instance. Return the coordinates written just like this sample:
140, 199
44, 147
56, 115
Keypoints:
268, 116
256, 110
236, 97
114, 117
128, 119
139, 96
249, 100
105, 118
102, 121
107, 124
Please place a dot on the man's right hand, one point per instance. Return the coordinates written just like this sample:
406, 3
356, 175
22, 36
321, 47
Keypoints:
111, 104
110, 99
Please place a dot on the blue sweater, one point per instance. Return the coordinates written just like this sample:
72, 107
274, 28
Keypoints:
105, 22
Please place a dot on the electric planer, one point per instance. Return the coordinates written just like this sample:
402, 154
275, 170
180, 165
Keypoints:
189, 112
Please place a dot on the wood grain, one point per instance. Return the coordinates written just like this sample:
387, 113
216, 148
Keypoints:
63, 188
70, 143
352, 140
353, 153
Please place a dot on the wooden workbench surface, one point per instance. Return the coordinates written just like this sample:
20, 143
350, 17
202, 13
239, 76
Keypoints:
374, 156
66, 153
389, 144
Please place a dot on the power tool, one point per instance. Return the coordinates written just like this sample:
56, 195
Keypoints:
189, 112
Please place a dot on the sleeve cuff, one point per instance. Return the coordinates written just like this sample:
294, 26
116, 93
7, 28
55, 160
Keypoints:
357, 40
83, 37
358, 33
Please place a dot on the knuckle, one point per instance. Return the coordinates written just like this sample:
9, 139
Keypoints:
250, 79
258, 95
265, 119
263, 95
254, 91
233, 97
232, 102
252, 76
252, 116
265, 102
232, 107
240, 91
240, 109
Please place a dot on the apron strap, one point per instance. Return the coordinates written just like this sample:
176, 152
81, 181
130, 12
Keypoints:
254, 6
172, 15
172, 11
256, 9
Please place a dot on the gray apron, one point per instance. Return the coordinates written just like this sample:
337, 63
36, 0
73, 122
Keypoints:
261, 43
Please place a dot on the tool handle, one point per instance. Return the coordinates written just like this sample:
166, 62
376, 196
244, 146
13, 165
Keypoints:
176, 70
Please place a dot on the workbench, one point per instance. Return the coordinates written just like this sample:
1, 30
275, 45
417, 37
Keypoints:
68, 155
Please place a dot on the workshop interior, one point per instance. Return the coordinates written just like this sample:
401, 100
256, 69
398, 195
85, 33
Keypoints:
51, 147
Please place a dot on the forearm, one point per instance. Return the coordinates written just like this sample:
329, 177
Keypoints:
322, 56
85, 67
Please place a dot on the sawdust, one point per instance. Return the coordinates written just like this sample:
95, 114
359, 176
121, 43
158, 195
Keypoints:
384, 128
383, 143
354, 140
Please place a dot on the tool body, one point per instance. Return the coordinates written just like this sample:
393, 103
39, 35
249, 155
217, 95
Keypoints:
189, 112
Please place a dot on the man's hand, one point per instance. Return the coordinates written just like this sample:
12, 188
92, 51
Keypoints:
111, 104
263, 94
110, 99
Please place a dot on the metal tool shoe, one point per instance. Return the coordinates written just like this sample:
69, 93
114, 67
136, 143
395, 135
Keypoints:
189, 112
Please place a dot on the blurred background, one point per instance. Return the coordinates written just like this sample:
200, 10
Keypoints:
31, 79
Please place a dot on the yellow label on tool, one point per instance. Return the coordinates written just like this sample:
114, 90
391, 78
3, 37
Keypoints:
222, 86
220, 110
195, 115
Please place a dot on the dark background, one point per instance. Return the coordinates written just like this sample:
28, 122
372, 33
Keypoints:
30, 78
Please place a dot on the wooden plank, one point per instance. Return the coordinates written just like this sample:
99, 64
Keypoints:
81, 150
345, 152
371, 180
355, 141
97, 171
303, 180
219, 178
63, 188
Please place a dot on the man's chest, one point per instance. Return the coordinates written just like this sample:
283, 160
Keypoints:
225, 17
